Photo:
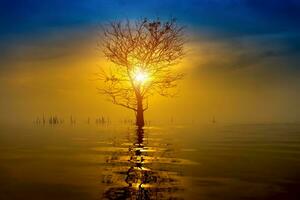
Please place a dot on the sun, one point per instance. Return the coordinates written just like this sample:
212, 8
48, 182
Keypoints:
140, 76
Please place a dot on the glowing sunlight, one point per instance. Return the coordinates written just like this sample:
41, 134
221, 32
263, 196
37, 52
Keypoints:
140, 76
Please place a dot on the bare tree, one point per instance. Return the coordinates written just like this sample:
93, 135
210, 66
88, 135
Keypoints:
143, 54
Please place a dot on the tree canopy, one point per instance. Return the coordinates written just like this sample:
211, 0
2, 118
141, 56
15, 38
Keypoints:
142, 54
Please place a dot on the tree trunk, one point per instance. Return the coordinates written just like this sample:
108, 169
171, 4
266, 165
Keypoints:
140, 112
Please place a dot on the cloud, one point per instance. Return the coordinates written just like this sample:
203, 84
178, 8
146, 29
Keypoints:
277, 53
53, 46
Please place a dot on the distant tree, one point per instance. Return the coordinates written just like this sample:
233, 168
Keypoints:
143, 54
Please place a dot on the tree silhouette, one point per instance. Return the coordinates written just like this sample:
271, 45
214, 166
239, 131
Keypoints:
143, 54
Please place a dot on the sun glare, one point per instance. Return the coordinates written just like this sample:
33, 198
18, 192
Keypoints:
140, 76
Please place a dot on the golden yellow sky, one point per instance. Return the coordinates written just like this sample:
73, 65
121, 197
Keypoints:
55, 74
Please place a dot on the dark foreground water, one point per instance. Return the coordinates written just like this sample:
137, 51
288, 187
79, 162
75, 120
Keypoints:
180, 162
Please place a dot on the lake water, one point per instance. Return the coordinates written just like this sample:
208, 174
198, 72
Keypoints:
204, 162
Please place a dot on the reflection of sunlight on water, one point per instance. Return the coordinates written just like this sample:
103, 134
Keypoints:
236, 162
148, 169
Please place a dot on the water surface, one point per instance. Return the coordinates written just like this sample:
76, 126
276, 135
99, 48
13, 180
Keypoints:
258, 161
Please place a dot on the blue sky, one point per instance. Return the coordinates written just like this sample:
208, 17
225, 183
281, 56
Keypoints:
229, 16
219, 19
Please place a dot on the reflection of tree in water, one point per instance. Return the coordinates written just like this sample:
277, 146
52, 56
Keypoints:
142, 172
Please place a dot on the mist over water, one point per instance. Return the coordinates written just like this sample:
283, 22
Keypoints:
259, 161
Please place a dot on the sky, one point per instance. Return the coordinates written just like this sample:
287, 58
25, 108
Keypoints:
242, 62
